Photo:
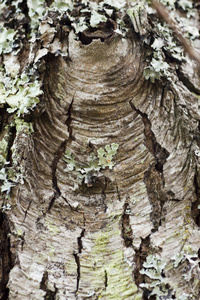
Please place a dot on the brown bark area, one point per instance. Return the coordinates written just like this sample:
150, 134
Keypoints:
73, 240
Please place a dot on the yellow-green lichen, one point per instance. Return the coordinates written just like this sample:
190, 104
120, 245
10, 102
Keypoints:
53, 230
110, 262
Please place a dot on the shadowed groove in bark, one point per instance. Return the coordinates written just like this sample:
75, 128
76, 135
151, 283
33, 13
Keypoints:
187, 82
76, 255
50, 295
153, 177
6, 258
57, 156
154, 147
127, 234
106, 279
140, 257
195, 212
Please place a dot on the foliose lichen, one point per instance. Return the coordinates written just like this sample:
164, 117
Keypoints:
159, 282
95, 163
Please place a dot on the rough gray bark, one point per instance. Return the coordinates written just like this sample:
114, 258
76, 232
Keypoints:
67, 239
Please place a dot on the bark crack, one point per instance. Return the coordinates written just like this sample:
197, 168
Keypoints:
127, 233
6, 258
153, 177
104, 194
106, 279
187, 82
50, 295
77, 255
195, 212
140, 258
57, 156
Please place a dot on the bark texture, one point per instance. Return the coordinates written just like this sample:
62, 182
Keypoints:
73, 239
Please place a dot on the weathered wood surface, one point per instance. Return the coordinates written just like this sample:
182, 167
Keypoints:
89, 241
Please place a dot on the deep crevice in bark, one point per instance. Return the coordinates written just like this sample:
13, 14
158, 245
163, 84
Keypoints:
140, 257
187, 82
50, 295
6, 257
76, 255
127, 233
12, 135
153, 146
106, 279
57, 156
153, 177
104, 194
154, 185
195, 211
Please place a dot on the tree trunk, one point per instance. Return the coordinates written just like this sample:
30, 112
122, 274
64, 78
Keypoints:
103, 174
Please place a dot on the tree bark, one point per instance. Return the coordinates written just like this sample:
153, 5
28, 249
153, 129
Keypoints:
78, 234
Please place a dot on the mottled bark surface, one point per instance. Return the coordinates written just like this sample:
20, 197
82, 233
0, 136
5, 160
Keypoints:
75, 240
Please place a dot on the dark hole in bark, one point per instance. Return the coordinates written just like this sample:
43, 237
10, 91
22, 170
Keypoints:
103, 32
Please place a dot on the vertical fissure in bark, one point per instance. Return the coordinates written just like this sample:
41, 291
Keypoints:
104, 194
118, 193
106, 279
76, 255
12, 135
127, 233
50, 295
140, 258
57, 156
6, 257
195, 211
153, 146
153, 177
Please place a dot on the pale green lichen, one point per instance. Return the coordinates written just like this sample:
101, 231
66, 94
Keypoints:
6, 40
19, 93
12, 175
159, 284
36, 10
164, 40
95, 163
